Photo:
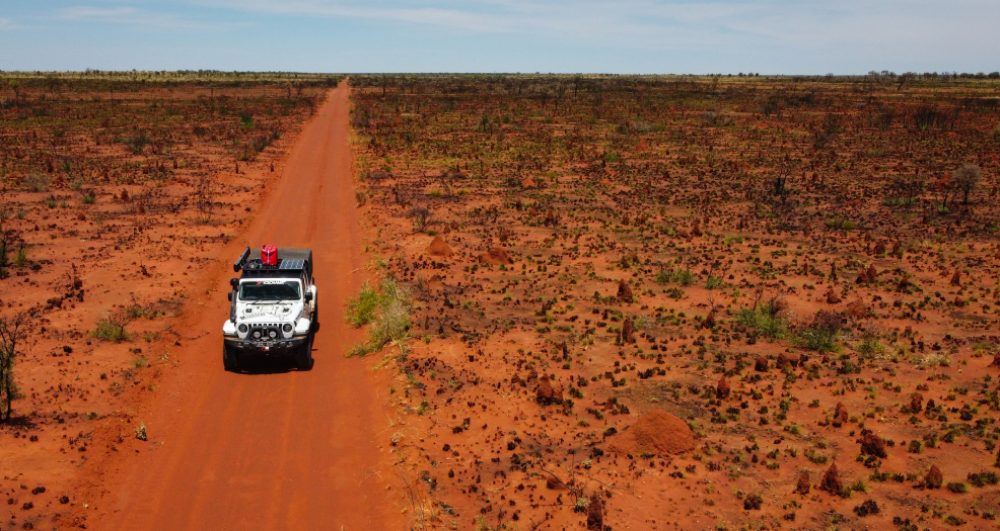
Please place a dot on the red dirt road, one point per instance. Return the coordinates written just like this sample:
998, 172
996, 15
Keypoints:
288, 450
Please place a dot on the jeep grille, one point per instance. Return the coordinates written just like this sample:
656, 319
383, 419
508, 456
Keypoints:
264, 332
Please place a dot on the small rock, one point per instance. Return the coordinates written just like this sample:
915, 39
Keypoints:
709, 322
628, 331
595, 513
933, 479
546, 393
722, 389
802, 486
625, 292
832, 297
438, 247
831, 481
840, 416
872, 444
866, 508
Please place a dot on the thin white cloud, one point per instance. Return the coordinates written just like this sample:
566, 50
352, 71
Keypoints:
132, 16
664, 24
633, 21
453, 17
103, 13
5, 23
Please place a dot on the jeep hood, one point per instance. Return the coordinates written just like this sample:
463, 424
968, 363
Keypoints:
268, 312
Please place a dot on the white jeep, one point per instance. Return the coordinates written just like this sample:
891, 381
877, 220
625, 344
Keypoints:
273, 308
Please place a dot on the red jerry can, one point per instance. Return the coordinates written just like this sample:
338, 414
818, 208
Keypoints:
269, 255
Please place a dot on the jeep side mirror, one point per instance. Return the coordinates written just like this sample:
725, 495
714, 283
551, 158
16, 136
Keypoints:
309, 296
230, 296
234, 282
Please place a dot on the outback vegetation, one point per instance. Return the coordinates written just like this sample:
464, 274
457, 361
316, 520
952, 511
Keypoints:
695, 301
114, 189
612, 301
12, 331
386, 310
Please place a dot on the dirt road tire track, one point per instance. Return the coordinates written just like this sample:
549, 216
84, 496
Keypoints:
279, 450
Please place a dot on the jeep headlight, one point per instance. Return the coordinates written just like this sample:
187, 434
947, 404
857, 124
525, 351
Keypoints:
242, 328
286, 330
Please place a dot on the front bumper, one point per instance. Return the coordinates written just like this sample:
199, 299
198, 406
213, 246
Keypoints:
277, 347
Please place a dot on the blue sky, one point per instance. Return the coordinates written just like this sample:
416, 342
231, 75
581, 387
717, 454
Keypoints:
623, 36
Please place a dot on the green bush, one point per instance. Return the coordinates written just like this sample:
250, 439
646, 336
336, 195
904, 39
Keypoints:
958, 487
822, 334
21, 257
765, 320
388, 311
111, 329
684, 277
841, 224
982, 479
870, 346
361, 310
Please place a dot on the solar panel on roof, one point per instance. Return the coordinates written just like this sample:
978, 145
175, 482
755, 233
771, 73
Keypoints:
292, 264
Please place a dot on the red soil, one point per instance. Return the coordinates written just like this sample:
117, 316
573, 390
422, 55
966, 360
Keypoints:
293, 450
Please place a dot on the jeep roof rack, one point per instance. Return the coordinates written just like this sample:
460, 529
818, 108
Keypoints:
290, 261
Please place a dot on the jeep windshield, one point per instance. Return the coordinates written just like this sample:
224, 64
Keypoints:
270, 290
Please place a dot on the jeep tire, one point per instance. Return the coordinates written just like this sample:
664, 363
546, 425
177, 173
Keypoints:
230, 359
303, 356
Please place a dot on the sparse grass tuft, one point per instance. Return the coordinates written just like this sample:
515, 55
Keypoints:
110, 329
841, 224
388, 312
870, 347
361, 310
933, 359
36, 183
